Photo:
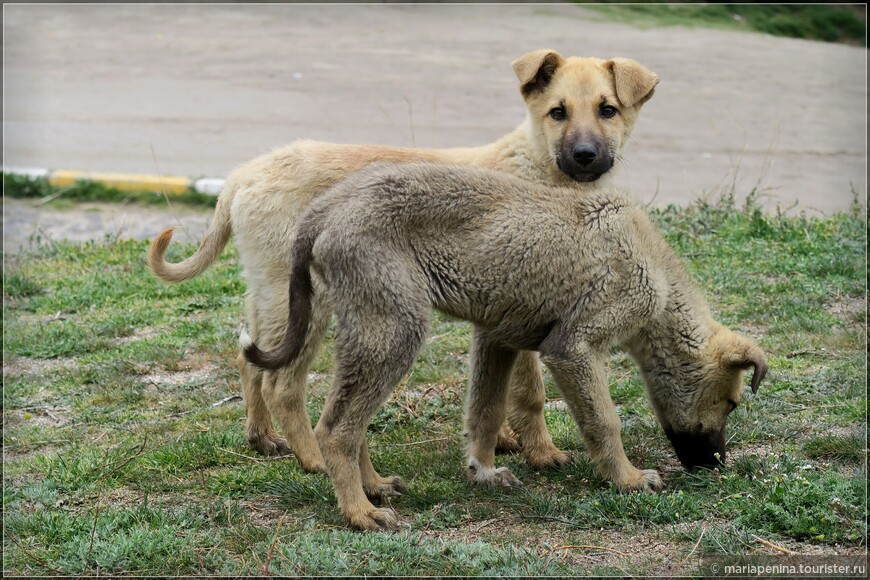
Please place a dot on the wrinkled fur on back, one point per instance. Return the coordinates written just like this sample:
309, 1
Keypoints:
534, 268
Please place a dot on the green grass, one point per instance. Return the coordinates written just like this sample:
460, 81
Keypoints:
812, 22
117, 462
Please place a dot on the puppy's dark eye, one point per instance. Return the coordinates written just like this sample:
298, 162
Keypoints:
558, 113
608, 111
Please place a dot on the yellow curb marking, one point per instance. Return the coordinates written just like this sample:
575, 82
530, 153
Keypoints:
123, 181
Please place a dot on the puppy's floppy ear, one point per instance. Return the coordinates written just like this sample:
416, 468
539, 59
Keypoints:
535, 69
635, 84
751, 357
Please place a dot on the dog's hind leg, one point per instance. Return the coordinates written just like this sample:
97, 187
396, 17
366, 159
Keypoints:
258, 421
280, 394
260, 433
485, 412
375, 347
526, 398
284, 391
366, 376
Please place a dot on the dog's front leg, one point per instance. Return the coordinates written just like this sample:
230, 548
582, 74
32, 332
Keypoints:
485, 411
579, 372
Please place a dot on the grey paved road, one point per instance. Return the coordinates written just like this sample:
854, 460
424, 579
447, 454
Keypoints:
26, 224
197, 89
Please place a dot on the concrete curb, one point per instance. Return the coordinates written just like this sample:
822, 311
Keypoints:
169, 184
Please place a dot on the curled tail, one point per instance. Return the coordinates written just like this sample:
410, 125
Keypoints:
301, 291
215, 239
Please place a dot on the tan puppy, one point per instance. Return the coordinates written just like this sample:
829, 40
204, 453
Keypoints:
580, 114
534, 268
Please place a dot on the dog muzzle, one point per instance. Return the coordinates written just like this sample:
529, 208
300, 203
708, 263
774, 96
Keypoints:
699, 449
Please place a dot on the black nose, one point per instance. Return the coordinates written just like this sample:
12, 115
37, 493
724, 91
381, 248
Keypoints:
699, 449
584, 154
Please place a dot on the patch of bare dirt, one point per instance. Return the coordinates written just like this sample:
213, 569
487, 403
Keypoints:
39, 415
848, 308
139, 334
18, 365
177, 378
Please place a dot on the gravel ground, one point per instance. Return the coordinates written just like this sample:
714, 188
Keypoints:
25, 223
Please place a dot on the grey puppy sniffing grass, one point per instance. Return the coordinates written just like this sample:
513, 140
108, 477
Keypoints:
580, 114
534, 268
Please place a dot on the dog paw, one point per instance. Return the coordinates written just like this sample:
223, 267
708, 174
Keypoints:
643, 480
311, 464
394, 487
507, 442
552, 458
375, 520
499, 477
269, 445
503, 477
309, 456
652, 480
386, 487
